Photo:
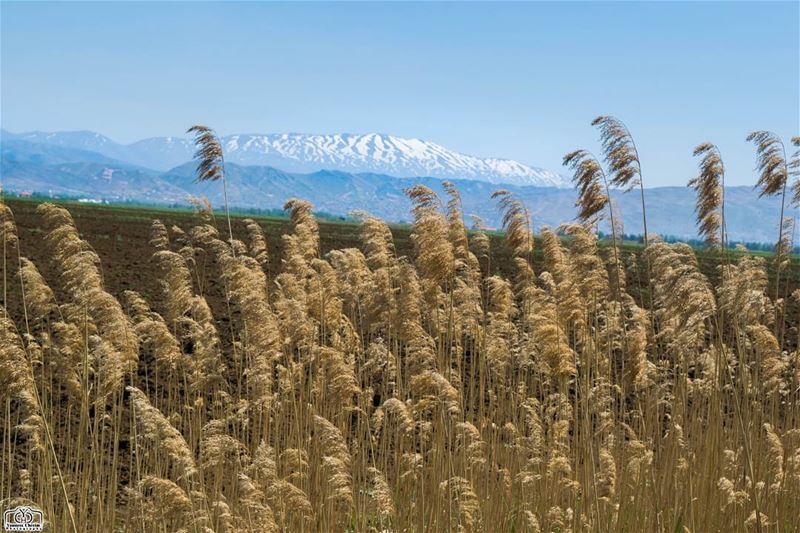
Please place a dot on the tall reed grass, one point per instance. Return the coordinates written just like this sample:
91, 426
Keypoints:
365, 391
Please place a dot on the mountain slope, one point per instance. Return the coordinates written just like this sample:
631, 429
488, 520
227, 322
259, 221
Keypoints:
27, 151
295, 152
57, 169
89, 179
77, 140
670, 210
378, 153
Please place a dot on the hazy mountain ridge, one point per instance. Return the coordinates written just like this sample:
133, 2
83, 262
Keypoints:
58, 170
298, 152
670, 210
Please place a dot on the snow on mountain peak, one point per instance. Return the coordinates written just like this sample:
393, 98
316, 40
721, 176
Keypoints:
379, 153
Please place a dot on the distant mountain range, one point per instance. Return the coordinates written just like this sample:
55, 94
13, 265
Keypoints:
296, 152
91, 166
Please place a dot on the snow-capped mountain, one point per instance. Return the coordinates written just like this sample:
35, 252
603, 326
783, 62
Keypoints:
380, 153
297, 152
29, 163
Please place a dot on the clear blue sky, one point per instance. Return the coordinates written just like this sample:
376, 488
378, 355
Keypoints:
506, 80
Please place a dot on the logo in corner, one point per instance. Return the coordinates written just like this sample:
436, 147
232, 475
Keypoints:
23, 518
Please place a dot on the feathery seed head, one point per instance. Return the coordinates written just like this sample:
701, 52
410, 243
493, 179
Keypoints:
209, 155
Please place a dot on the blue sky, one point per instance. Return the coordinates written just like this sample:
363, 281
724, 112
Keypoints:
517, 80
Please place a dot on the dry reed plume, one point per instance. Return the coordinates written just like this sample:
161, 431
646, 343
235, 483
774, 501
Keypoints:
710, 189
360, 390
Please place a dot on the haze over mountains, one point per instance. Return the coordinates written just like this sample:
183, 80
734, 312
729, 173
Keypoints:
338, 173
296, 152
